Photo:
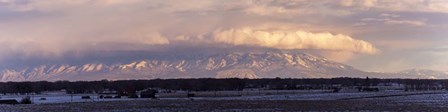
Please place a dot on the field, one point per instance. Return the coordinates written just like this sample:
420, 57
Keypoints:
258, 101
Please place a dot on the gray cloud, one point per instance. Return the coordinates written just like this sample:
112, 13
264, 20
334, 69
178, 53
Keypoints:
55, 28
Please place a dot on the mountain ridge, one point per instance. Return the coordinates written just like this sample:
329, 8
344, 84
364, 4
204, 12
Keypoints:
224, 65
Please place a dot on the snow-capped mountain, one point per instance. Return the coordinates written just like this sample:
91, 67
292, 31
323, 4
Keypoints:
242, 65
226, 65
423, 74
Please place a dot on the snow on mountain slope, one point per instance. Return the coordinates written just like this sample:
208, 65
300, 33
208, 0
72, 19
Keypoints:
228, 65
423, 74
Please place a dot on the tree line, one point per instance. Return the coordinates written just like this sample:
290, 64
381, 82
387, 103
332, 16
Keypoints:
211, 84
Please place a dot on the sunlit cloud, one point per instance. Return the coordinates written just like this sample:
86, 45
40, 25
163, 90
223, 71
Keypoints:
294, 39
340, 29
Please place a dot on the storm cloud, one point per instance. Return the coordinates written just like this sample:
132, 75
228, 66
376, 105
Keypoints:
358, 29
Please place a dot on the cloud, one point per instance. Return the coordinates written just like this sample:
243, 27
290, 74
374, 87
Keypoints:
393, 19
266, 10
54, 27
341, 7
431, 6
262, 7
57, 46
293, 40
396, 21
157, 22
389, 15
405, 22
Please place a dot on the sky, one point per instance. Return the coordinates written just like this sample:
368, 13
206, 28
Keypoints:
371, 35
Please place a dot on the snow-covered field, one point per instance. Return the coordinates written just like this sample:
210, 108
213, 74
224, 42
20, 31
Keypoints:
210, 95
61, 98
241, 95
332, 96
284, 101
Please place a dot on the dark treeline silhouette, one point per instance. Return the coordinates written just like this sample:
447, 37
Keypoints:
210, 84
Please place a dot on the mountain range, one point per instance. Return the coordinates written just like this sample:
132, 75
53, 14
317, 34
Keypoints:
224, 65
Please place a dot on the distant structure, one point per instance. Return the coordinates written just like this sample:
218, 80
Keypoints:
367, 86
9, 101
148, 93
